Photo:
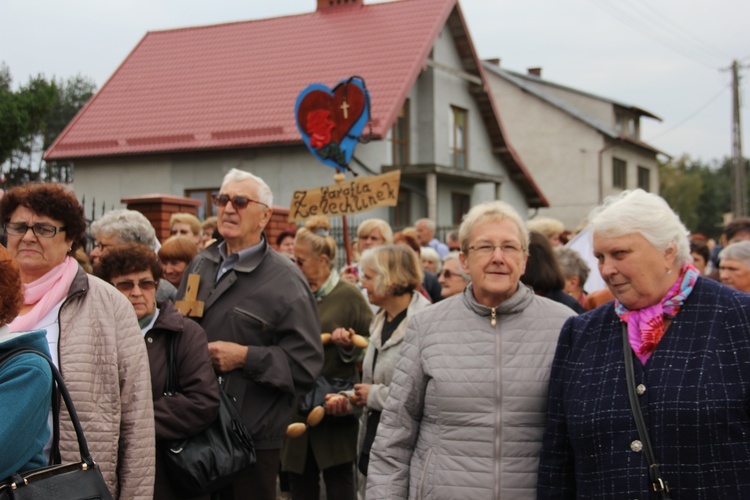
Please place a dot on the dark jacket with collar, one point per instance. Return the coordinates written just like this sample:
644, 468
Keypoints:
196, 404
696, 404
264, 303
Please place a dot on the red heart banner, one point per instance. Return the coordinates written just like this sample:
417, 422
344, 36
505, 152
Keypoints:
328, 117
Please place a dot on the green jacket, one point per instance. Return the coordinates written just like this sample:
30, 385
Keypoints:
334, 440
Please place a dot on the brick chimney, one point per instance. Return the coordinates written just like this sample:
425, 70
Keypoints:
537, 72
494, 61
327, 4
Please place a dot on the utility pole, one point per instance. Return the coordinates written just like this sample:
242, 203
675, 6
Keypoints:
739, 195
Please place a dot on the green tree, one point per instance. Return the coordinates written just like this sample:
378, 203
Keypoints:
30, 120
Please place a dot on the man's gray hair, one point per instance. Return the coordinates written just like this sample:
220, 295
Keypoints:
737, 251
428, 222
265, 195
128, 226
643, 213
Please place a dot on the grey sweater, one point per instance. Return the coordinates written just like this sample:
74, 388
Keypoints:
466, 408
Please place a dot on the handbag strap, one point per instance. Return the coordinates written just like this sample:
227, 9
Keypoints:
659, 485
82, 444
172, 385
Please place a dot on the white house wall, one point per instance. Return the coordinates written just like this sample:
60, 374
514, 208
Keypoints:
598, 109
452, 90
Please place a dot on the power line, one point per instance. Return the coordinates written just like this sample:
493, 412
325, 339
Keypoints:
661, 19
691, 115
625, 18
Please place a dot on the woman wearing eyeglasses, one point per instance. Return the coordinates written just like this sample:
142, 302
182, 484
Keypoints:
135, 271
93, 337
464, 416
452, 278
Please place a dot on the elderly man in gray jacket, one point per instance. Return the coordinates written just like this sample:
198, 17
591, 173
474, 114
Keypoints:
262, 325
465, 413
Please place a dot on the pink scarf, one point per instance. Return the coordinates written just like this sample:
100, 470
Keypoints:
646, 326
46, 293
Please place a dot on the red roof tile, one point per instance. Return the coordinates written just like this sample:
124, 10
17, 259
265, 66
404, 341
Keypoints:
235, 85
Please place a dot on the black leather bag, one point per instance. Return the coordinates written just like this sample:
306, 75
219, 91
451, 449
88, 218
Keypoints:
75, 481
208, 461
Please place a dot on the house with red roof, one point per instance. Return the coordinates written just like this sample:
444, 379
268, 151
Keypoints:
189, 104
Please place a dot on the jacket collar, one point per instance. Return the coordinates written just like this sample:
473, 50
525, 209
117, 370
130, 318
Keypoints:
245, 264
515, 304
418, 302
169, 318
80, 283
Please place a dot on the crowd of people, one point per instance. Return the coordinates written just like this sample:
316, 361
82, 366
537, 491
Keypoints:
480, 366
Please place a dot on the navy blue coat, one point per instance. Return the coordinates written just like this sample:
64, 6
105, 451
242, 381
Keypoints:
696, 405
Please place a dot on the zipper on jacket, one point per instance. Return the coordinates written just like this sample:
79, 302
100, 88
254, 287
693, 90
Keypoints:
493, 320
498, 409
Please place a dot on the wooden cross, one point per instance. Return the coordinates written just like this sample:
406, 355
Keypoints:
190, 306
345, 108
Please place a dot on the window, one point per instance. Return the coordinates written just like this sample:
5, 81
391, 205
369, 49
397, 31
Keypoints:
203, 195
644, 178
401, 213
400, 137
461, 203
457, 139
619, 173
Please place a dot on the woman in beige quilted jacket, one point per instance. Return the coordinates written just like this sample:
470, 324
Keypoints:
93, 336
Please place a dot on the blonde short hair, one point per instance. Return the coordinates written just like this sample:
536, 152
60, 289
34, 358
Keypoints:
491, 211
396, 268
185, 218
546, 226
316, 234
369, 225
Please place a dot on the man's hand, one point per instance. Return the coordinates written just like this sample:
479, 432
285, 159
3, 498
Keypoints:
227, 356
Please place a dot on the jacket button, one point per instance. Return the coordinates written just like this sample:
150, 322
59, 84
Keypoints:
150, 340
636, 446
640, 389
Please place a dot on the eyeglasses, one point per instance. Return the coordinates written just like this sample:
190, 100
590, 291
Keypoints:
486, 249
40, 230
238, 202
447, 274
127, 286
101, 246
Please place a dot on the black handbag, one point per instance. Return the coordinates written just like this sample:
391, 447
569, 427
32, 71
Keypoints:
208, 461
660, 486
73, 481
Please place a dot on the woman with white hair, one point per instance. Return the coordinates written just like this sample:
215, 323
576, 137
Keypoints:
430, 259
453, 279
734, 266
465, 413
689, 338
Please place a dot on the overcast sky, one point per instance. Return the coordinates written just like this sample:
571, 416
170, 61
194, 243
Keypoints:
666, 56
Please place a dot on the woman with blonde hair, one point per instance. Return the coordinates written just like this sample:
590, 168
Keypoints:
391, 275
370, 233
330, 447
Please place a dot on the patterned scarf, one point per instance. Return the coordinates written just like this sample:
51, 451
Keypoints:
646, 326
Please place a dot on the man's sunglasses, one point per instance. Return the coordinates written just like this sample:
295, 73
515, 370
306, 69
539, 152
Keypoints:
238, 202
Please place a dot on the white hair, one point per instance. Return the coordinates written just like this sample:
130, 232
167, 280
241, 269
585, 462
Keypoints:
491, 211
128, 226
644, 213
427, 222
265, 195
454, 256
739, 251
431, 255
